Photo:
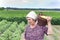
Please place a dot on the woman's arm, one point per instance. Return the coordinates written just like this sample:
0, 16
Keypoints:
50, 31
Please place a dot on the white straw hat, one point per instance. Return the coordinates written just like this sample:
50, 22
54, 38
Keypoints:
32, 15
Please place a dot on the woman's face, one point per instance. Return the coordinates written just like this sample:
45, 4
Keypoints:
30, 21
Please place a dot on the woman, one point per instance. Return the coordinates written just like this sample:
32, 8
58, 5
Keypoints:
35, 31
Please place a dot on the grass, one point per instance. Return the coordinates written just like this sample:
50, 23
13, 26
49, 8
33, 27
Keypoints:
23, 13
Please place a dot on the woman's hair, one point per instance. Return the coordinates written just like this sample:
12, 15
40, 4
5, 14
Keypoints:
41, 21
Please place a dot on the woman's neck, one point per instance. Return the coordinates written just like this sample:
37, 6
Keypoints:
33, 25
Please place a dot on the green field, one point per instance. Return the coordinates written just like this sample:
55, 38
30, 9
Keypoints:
14, 31
22, 13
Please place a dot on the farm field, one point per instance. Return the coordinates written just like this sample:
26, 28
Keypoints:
14, 31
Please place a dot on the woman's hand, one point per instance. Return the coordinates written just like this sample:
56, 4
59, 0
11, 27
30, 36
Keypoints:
49, 19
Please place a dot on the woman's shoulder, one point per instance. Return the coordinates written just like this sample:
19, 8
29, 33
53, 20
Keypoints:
27, 26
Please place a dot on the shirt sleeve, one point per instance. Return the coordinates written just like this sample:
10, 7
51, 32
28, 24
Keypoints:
45, 30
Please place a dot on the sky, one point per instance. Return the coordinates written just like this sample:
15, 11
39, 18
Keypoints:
30, 3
